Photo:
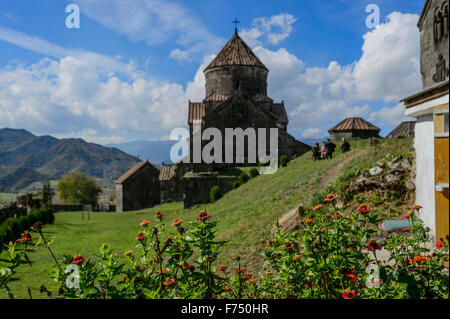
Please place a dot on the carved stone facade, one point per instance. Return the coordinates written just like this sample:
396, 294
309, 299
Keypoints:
434, 42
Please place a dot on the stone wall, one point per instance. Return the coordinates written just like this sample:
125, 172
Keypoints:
173, 190
348, 135
139, 191
197, 187
431, 49
228, 79
242, 112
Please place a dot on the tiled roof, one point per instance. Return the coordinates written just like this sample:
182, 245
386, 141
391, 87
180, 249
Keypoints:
196, 111
215, 97
167, 172
405, 129
236, 52
279, 110
423, 12
354, 123
131, 172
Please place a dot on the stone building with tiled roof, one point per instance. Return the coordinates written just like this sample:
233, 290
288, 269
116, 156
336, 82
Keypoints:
404, 129
236, 97
138, 188
353, 127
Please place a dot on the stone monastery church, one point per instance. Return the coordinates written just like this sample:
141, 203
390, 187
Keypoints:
236, 97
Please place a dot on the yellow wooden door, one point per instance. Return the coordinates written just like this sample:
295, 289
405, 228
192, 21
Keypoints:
441, 165
441, 146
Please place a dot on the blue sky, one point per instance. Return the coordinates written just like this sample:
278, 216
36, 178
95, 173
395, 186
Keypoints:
130, 68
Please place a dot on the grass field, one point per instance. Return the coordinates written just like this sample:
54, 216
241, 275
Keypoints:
246, 215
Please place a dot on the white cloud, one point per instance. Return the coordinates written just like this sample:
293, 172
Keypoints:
154, 22
273, 29
71, 96
313, 132
390, 62
390, 115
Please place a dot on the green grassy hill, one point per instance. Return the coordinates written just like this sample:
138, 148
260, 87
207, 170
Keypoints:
246, 215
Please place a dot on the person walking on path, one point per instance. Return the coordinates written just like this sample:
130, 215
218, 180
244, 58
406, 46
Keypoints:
345, 146
323, 151
316, 152
330, 146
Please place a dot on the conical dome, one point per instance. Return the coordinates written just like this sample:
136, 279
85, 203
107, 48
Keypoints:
236, 52
236, 67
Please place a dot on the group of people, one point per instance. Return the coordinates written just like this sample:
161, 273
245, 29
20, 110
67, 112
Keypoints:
326, 150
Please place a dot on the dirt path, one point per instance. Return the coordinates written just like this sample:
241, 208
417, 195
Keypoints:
330, 176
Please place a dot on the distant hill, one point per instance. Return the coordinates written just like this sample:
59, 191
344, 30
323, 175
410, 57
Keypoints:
156, 152
312, 141
26, 158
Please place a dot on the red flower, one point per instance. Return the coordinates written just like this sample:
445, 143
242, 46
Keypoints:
176, 222
169, 282
417, 207
126, 279
144, 223
159, 215
248, 276
238, 271
251, 282
409, 214
26, 237
309, 220
317, 207
78, 259
439, 244
331, 197
352, 248
338, 216
186, 267
140, 236
348, 294
351, 277
363, 209
296, 257
222, 268
203, 215
373, 245
288, 246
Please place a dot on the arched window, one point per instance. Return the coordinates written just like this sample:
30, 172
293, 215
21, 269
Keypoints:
445, 21
436, 23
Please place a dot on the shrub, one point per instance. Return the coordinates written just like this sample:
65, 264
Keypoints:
284, 160
236, 185
244, 178
254, 172
12, 228
333, 257
215, 194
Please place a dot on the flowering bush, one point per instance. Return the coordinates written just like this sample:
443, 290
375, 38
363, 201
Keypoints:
338, 254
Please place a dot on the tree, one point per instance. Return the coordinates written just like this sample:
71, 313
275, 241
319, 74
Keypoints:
77, 188
46, 196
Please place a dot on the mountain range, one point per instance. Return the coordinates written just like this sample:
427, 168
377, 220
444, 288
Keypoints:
26, 158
